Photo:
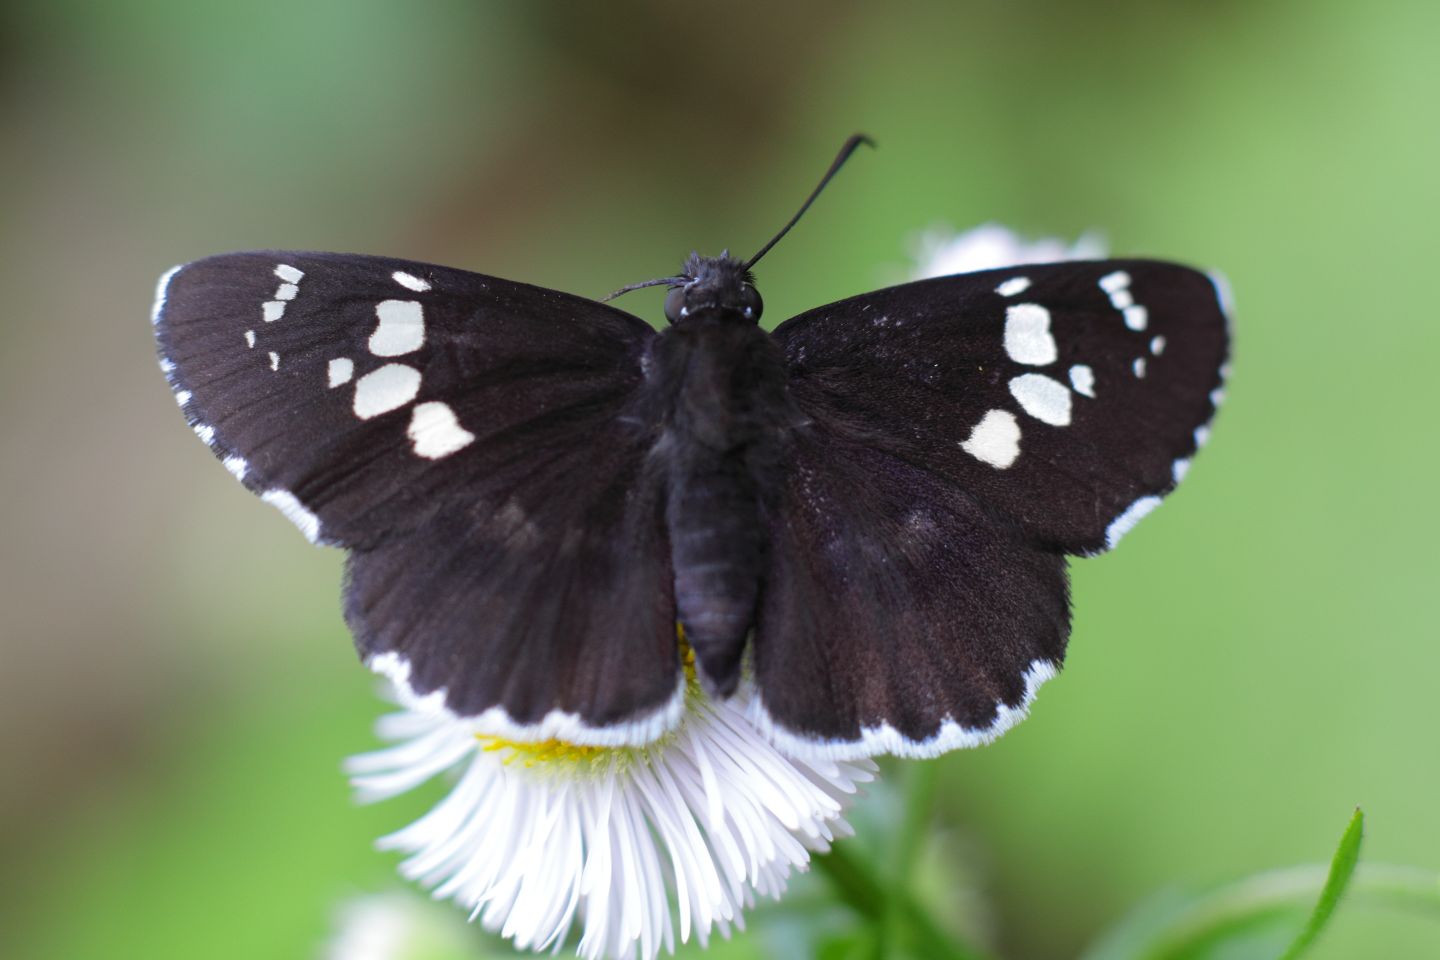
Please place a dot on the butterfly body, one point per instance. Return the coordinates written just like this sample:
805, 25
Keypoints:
720, 384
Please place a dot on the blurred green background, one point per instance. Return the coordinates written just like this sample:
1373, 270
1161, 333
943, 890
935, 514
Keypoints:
177, 686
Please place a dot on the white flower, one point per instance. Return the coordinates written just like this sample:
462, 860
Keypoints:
373, 928
628, 842
991, 246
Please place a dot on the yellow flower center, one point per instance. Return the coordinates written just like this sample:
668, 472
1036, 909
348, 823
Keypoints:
560, 753
542, 751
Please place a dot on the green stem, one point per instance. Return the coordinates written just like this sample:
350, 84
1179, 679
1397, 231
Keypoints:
920, 786
863, 891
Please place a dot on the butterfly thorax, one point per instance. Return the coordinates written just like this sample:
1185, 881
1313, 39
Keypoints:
721, 384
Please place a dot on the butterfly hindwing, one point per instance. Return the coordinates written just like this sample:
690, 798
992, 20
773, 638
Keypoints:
1067, 396
475, 443
900, 614
554, 603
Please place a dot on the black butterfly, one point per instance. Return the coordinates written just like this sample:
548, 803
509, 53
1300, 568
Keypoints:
873, 502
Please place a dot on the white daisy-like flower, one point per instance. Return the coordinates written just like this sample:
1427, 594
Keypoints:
941, 252
375, 928
633, 844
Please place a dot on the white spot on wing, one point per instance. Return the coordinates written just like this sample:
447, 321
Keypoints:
295, 512
288, 273
1202, 435
1179, 468
1139, 366
1117, 287
555, 725
250, 339
1013, 286
205, 432
410, 282
274, 360
340, 371
1082, 378
1223, 296
162, 289
286, 291
1044, 399
401, 329
1124, 523
884, 738
995, 439
167, 367
237, 466
182, 397
386, 389
1112, 283
435, 431
1027, 334
1157, 345
272, 310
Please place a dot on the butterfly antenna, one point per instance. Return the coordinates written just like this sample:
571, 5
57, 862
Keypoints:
639, 286
850, 147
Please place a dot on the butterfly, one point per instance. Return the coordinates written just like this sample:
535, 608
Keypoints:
862, 516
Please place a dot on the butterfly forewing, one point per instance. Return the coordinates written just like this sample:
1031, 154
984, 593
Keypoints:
335, 383
476, 443
1067, 396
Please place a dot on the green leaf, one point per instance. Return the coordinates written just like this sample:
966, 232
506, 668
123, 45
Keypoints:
1249, 915
1342, 868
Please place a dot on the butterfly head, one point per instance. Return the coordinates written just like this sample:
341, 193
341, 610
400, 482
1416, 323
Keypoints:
713, 289
721, 289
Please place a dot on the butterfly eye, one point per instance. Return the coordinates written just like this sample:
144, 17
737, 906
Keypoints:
674, 304
750, 303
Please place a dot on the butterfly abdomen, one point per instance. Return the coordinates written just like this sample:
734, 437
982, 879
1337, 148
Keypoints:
723, 386
716, 554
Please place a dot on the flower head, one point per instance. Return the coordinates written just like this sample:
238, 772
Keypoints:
630, 843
